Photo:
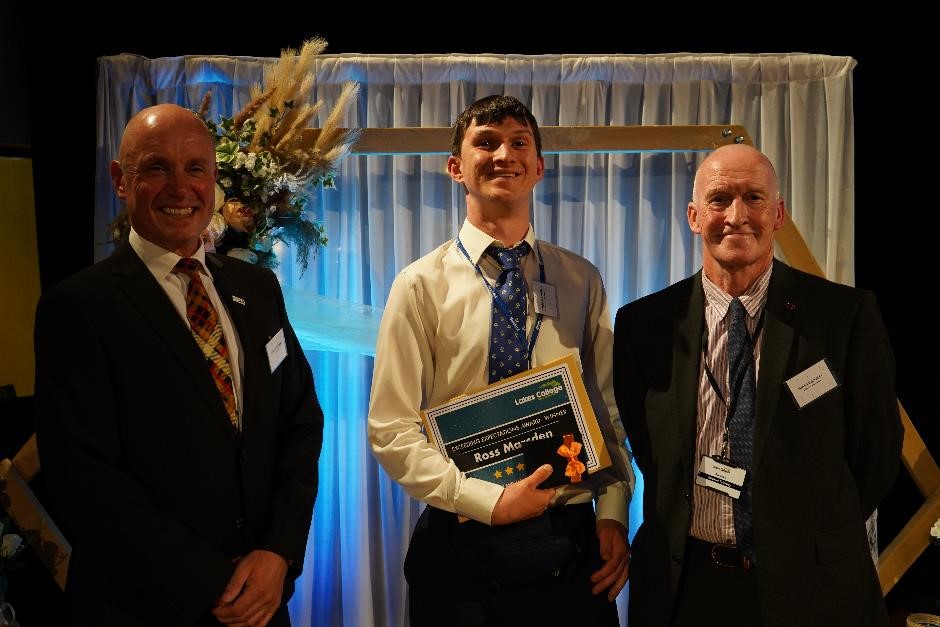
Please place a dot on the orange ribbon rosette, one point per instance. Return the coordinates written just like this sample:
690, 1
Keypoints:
570, 450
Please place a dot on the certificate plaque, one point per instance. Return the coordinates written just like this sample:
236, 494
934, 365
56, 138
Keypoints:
505, 431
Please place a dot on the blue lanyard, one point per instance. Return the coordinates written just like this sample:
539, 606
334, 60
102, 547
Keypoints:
504, 308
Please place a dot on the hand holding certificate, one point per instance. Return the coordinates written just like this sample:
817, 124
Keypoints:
505, 431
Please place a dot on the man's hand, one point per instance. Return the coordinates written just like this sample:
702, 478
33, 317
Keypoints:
615, 553
523, 499
253, 593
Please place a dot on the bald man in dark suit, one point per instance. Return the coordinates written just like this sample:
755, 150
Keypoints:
186, 492
756, 521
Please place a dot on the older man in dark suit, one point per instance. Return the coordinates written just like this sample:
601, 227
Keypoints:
177, 419
759, 402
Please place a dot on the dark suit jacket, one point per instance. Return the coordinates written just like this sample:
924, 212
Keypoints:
153, 487
818, 472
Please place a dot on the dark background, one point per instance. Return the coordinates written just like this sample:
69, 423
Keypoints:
47, 112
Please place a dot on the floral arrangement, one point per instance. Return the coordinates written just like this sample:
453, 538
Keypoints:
265, 169
935, 533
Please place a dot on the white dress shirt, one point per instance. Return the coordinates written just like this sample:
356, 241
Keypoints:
433, 345
161, 262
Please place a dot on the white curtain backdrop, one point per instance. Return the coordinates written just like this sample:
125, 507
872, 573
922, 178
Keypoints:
624, 212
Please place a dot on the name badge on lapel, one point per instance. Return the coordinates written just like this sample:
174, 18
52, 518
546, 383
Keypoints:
277, 350
812, 383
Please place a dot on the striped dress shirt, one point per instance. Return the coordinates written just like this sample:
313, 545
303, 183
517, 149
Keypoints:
712, 511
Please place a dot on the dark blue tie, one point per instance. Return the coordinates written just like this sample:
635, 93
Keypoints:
508, 352
741, 424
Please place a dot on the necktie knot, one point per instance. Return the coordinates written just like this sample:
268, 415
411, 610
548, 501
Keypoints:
187, 266
509, 258
737, 310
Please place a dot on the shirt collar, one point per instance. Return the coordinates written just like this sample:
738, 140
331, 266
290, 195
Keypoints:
753, 298
476, 241
161, 261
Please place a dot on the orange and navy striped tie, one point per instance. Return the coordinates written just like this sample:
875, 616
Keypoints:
206, 328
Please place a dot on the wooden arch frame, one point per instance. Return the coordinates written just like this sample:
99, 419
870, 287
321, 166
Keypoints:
54, 550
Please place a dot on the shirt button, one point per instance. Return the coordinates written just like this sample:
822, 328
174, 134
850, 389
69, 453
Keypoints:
239, 523
686, 497
676, 558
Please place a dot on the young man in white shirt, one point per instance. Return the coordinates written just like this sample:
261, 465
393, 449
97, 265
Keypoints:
526, 554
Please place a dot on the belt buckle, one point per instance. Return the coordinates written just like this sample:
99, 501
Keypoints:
729, 556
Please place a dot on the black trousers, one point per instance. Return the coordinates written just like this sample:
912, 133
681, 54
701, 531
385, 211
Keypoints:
715, 595
534, 572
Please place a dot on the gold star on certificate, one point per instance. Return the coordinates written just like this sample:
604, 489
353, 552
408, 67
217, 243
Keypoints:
498, 474
520, 466
508, 470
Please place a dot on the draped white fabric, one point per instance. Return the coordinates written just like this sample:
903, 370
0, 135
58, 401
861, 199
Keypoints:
625, 212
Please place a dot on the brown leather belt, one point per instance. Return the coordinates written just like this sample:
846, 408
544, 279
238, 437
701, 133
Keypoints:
724, 555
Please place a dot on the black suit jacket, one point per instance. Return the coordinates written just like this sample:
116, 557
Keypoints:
153, 487
818, 472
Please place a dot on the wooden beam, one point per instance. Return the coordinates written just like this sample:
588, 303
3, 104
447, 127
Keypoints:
555, 139
908, 545
918, 460
796, 251
26, 460
618, 139
34, 522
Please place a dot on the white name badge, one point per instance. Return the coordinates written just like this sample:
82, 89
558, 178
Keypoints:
812, 383
720, 476
277, 350
545, 301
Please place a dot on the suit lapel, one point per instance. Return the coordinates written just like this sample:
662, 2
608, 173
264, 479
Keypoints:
136, 281
686, 360
779, 325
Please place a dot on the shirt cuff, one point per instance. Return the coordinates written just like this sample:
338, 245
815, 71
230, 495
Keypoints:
477, 499
612, 503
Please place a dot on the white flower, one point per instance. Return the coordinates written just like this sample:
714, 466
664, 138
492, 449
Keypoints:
214, 231
287, 181
245, 160
219, 197
935, 532
11, 545
226, 182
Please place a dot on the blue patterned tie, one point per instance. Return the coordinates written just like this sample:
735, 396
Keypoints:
741, 424
508, 355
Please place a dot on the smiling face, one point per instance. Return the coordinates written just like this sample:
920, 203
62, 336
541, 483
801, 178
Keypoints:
166, 177
498, 165
736, 209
